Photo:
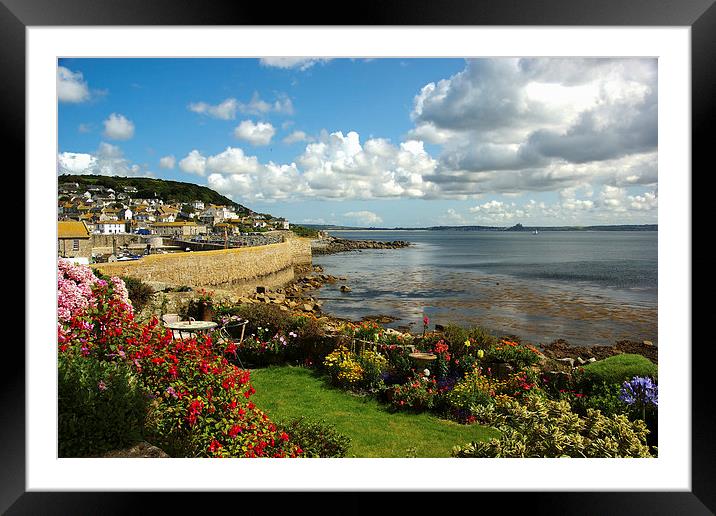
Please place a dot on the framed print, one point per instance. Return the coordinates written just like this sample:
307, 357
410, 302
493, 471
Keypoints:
444, 127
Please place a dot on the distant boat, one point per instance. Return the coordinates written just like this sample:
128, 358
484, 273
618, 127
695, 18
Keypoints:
535, 232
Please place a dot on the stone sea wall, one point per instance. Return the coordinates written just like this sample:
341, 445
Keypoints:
216, 268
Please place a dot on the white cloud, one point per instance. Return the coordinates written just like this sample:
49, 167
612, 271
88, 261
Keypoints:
225, 110
365, 217
167, 162
232, 161
71, 86
300, 63
193, 163
108, 160
118, 127
516, 125
646, 202
296, 137
255, 106
255, 133
336, 166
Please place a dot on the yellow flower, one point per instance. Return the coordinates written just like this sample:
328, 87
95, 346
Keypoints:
480, 353
467, 343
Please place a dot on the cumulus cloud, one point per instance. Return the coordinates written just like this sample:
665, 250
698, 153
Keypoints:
256, 106
118, 127
510, 125
225, 110
338, 166
296, 137
299, 63
108, 160
167, 162
193, 163
71, 86
335, 166
365, 218
255, 133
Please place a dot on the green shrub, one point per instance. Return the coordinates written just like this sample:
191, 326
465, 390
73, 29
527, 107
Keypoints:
615, 370
603, 397
310, 346
101, 406
303, 231
269, 317
518, 355
317, 439
547, 428
472, 391
420, 393
373, 365
400, 365
139, 292
479, 337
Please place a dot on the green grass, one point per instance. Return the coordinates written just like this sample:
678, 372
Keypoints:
288, 392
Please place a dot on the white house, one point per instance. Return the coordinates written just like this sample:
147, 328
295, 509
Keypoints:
111, 227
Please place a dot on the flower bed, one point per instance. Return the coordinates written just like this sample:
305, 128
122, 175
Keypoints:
199, 402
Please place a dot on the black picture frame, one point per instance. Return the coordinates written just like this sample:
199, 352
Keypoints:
16, 15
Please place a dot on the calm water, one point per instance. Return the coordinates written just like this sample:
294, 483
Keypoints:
585, 287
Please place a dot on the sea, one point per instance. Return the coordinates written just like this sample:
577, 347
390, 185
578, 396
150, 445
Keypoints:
584, 287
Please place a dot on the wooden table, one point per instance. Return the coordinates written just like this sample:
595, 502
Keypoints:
190, 327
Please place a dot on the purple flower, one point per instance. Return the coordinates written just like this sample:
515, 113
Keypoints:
640, 391
171, 392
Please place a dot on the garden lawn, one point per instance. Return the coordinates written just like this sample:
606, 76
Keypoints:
287, 392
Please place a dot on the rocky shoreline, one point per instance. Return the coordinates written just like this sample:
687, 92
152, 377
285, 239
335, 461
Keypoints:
331, 245
300, 297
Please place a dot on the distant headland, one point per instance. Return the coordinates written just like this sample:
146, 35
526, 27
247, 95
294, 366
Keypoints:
516, 227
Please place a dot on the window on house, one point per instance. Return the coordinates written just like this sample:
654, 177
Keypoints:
75, 245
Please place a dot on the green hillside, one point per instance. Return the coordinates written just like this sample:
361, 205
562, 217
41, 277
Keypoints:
149, 188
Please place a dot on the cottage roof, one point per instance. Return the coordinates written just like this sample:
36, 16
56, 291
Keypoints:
72, 229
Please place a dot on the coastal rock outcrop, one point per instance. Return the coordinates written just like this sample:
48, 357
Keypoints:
332, 245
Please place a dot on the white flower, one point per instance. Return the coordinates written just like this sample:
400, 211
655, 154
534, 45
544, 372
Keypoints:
426, 372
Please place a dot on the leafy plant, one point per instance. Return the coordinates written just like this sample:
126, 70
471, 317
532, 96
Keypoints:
546, 428
517, 355
417, 395
373, 365
140, 294
317, 438
101, 406
473, 390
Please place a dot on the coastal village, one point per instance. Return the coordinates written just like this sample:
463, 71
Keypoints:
87, 212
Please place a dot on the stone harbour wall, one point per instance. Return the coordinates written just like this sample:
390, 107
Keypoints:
215, 268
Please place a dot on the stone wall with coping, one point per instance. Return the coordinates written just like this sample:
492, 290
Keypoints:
215, 268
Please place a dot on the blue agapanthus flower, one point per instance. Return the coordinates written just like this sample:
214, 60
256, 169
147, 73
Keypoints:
641, 391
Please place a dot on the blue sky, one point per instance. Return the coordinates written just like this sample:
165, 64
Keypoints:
381, 142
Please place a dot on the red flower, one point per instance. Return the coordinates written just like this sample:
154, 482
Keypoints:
214, 446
